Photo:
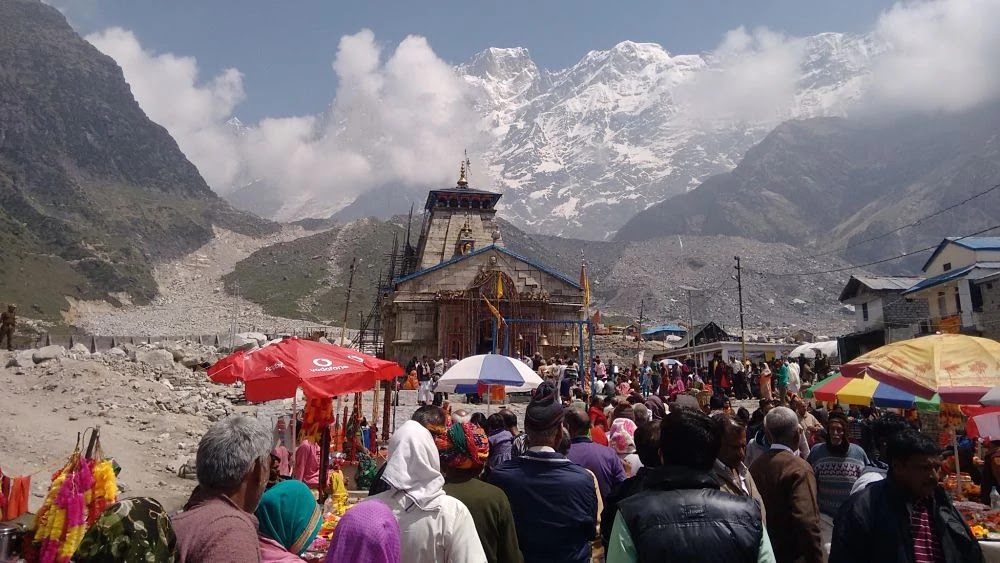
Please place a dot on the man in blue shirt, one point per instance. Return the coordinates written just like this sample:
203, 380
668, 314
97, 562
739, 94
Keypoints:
554, 501
601, 460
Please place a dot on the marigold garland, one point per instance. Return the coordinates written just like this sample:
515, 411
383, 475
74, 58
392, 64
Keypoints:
79, 493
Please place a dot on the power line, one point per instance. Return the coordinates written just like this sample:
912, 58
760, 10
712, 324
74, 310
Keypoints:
882, 261
907, 226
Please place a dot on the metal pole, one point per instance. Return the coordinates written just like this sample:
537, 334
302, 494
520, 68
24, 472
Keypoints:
638, 340
347, 304
580, 366
739, 285
494, 335
590, 338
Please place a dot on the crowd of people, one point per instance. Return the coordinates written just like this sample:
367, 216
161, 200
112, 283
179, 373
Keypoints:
739, 379
616, 480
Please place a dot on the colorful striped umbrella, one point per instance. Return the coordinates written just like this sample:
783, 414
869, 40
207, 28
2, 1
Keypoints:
960, 368
810, 392
865, 391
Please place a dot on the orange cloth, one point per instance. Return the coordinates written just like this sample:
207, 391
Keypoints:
411, 381
598, 436
17, 502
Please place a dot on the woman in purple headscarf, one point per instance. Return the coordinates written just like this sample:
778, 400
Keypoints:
367, 532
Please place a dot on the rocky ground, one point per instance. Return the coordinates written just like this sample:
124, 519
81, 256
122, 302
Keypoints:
151, 411
192, 299
151, 407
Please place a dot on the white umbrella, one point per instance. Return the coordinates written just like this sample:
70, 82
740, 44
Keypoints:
991, 399
489, 369
670, 362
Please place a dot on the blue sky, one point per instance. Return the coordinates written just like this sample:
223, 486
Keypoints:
285, 48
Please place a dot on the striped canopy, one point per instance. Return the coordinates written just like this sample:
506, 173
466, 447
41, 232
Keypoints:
866, 391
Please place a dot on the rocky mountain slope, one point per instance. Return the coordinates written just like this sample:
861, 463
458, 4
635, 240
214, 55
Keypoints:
92, 193
829, 184
579, 151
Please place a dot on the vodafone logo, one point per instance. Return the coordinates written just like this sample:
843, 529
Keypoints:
324, 364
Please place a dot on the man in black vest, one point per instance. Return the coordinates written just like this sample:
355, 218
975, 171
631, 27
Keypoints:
682, 515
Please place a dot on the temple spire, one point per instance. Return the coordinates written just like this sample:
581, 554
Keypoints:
463, 182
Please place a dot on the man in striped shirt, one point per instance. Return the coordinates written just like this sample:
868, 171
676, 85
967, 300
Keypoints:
906, 518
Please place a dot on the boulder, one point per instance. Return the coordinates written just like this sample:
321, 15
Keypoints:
155, 358
23, 359
118, 352
258, 337
48, 353
237, 342
80, 349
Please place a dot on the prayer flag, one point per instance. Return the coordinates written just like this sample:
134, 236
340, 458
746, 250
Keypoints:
499, 285
494, 310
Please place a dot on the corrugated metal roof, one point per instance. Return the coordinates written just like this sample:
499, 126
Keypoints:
980, 243
972, 243
665, 328
973, 272
888, 283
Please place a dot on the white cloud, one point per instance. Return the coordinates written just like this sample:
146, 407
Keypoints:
926, 56
168, 90
941, 56
400, 122
752, 77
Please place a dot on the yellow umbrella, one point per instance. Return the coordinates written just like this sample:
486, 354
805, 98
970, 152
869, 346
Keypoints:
960, 368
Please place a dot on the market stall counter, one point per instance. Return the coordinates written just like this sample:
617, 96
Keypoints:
985, 525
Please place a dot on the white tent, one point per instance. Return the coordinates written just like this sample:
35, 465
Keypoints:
809, 349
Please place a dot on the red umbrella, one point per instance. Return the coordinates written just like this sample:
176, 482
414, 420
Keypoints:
321, 370
228, 370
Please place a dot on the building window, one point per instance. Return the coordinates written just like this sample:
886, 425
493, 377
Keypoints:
942, 304
946, 267
958, 301
864, 311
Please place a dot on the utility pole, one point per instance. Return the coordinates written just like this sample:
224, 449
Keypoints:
347, 303
638, 340
690, 334
739, 286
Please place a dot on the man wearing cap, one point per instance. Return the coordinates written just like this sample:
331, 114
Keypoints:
464, 449
8, 320
554, 501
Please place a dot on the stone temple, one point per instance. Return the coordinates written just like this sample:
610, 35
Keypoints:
441, 306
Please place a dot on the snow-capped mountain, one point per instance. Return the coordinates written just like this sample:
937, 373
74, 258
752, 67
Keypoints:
579, 151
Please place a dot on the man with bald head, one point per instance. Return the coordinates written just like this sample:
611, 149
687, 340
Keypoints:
788, 487
602, 461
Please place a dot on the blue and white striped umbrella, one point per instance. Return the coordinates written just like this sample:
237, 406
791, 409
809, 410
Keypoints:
488, 369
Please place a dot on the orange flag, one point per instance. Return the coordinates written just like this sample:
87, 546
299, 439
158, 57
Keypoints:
494, 310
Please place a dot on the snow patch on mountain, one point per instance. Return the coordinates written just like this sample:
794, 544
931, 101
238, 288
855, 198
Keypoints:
579, 151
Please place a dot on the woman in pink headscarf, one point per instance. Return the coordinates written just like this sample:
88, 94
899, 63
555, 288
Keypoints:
367, 532
622, 441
